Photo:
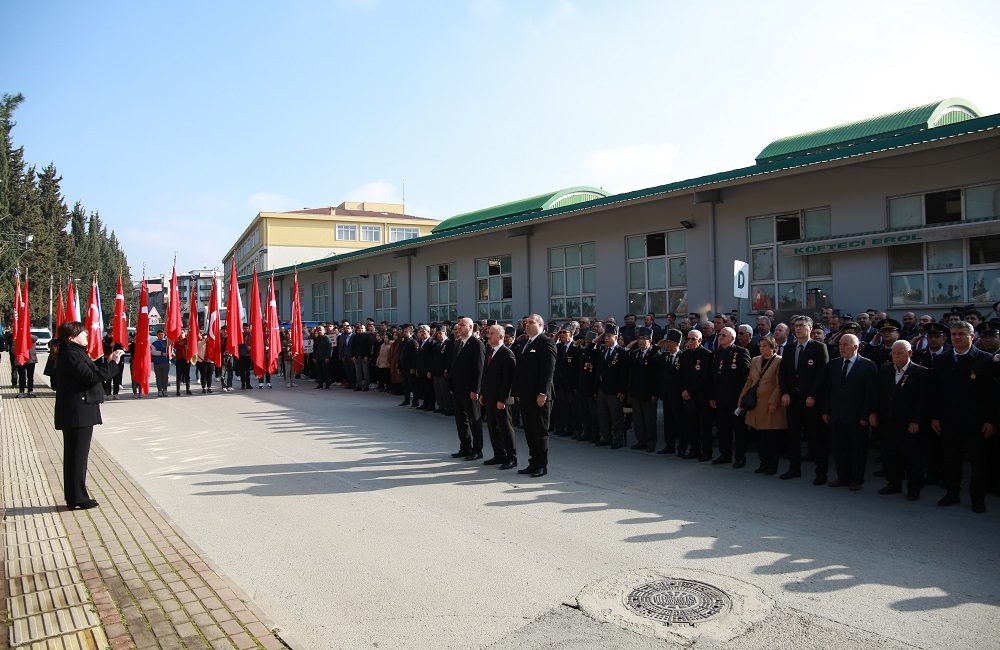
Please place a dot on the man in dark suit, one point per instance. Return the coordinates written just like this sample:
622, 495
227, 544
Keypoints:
426, 351
534, 391
670, 390
408, 364
696, 388
361, 346
440, 365
465, 376
642, 389
612, 381
965, 414
494, 392
902, 399
564, 410
586, 387
937, 347
800, 377
848, 406
730, 367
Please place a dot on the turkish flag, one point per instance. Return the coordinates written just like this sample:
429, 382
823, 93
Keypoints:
191, 354
234, 319
273, 329
72, 305
256, 329
60, 311
141, 360
22, 337
174, 325
213, 347
15, 329
298, 348
119, 328
95, 324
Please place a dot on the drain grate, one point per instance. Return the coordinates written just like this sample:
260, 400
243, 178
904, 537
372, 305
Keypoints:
674, 601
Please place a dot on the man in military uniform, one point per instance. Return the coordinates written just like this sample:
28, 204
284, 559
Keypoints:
586, 386
642, 389
670, 391
965, 414
989, 336
936, 346
902, 402
612, 372
880, 349
730, 367
695, 384
564, 409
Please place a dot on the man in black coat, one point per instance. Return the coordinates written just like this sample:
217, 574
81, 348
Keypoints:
408, 365
494, 393
695, 374
965, 414
361, 346
564, 410
848, 406
465, 377
730, 367
440, 366
424, 377
643, 390
534, 391
670, 390
612, 380
586, 386
800, 377
902, 403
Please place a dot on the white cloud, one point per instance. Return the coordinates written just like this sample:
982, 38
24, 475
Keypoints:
272, 202
375, 191
631, 167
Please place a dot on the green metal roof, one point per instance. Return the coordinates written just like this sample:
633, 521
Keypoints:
919, 118
538, 203
744, 174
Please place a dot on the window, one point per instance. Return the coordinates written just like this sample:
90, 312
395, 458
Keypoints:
785, 281
399, 233
371, 233
494, 288
951, 271
442, 292
352, 299
657, 272
347, 232
572, 281
320, 301
385, 297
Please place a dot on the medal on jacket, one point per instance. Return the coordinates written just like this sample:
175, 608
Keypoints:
733, 366
697, 364
902, 382
972, 375
614, 359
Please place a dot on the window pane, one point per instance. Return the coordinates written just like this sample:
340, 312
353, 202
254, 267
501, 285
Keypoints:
508, 288
676, 242
657, 270
944, 255
656, 244
678, 272
943, 207
378, 300
786, 227
762, 264
572, 256
636, 247
494, 266
432, 314
678, 301
495, 311
573, 282
790, 296
588, 307
658, 302
505, 264
817, 222
821, 264
495, 288
588, 254
637, 275
557, 308
907, 289
572, 307
789, 267
507, 311
819, 294
945, 288
557, 283
392, 297
590, 280
762, 297
984, 250
905, 212
443, 291
482, 310
637, 302
982, 201
556, 258
484, 289
453, 292
984, 286
444, 272
909, 257
761, 230
482, 268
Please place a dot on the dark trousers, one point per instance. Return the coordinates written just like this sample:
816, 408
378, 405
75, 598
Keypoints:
442, 395
26, 377
644, 420
850, 450
697, 427
961, 440
610, 417
244, 366
324, 372
207, 371
903, 455
501, 432
564, 411
732, 430
770, 441
468, 422
162, 373
587, 405
536, 430
409, 387
349, 374
427, 391
76, 449
673, 408
183, 371
805, 422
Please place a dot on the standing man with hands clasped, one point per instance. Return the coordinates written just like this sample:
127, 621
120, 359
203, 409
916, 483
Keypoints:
533, 390
465, 376
494, 392
849, 405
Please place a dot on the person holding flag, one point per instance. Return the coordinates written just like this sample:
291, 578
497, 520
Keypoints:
294, 356
211, 357
232, 336
257, 357
24, 348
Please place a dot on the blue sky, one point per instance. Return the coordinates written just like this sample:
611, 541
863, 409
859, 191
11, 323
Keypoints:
179, 121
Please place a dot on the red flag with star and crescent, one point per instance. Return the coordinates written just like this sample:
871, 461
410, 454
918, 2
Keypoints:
213, 347
298, 347
273, 329
256, 329
234, 319
15, 329
174, 325
72, 304
95, 324
191, 353
60, 310
22, 337
119, 328
141, 359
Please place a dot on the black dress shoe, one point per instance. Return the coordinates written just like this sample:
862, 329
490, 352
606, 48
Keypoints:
948, 500
891, 489
666, 450
494, 461
722, 460
740, 463
704, 459
601, 443
913, 496
978, 506
461, 453
617, 445
404, 403
542, 471
476, 455
761, 470
84, 505
510, 464
819, 480
530, 469
638, 445
790, 474
838, 483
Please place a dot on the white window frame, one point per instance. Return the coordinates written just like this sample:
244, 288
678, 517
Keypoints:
402, 233
353, 299
438, 310
496, 307
766, 293
371, 233
674, 292
561, 270
347, 232
320, 292
386, 297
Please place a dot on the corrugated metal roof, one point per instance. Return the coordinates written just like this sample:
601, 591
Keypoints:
522, 206
948, 111
743, 174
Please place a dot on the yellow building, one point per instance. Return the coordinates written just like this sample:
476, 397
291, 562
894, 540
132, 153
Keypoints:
278, 239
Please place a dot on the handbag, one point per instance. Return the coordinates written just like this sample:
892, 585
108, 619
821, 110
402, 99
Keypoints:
749, 401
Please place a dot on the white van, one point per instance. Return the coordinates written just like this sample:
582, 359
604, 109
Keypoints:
43, 336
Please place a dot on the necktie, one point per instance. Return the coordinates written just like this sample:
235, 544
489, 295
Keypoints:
797, 351
847, 367
607, 355
461, 344
489, 357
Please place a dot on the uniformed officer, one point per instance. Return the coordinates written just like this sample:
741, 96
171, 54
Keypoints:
880, 350
564, 408
695, 384
937, 345
670, 389
586, 386
642, 389
730, 367
612, 372
902, 403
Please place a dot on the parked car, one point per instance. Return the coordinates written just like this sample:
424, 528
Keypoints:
42, 336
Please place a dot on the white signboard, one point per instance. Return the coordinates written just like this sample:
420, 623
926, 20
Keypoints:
154, 316
741, 279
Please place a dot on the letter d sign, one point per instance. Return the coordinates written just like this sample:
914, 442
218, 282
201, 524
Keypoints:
741, 273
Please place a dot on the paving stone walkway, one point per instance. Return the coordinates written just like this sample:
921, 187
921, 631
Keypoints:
118, 576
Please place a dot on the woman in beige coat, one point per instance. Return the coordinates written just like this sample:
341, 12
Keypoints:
768, 417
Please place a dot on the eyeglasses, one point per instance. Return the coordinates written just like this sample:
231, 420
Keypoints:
692, 338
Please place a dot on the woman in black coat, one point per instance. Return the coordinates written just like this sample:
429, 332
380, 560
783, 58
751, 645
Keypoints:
79, 393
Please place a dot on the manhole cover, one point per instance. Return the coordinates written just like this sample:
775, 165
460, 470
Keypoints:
678, 602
